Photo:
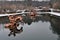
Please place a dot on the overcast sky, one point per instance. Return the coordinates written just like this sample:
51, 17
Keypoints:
23, 0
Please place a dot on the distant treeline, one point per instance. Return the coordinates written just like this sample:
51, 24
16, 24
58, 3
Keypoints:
19, 4
33, 3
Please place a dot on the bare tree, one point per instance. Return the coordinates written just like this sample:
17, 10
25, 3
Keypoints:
28, 2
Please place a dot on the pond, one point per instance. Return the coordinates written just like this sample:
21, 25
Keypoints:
42, 27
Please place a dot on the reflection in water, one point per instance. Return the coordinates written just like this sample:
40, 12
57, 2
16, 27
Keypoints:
14, 27
54, 21
55, 26
15, 31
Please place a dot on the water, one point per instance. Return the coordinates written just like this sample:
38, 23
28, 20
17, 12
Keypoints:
43, 27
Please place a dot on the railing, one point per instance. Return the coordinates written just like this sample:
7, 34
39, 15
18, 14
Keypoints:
23, 12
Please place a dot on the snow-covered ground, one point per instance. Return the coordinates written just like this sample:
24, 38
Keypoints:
23, 12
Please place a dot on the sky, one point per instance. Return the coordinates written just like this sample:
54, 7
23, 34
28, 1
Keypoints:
23, 0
